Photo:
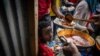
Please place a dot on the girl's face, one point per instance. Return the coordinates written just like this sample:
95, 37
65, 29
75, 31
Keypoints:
47, 33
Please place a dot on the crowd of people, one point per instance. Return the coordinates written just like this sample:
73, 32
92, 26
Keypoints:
48, 10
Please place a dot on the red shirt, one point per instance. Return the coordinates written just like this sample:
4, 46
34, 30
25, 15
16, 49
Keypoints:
73, 1
44, 50
43, 5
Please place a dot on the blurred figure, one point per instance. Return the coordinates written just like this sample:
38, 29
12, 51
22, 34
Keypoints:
96, 19
96, 33
44, 9
96, 25
45, 36
67, 7
84, 10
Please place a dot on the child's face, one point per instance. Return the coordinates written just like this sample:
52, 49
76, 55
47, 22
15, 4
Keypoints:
47, 33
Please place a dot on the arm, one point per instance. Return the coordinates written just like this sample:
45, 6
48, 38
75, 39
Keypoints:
72, 48
81, 12
56, 10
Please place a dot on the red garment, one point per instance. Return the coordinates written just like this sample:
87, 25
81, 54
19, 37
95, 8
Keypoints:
43, 6
91, 14
73, 1
44, 50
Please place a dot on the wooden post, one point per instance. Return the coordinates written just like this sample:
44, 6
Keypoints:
33, 26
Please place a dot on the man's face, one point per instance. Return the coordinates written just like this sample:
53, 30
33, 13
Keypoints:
47, 33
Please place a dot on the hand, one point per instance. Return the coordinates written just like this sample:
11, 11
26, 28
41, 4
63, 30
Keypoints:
57, 49
61, 16
72, 48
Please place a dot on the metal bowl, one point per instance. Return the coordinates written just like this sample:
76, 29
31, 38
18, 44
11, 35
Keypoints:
73, 32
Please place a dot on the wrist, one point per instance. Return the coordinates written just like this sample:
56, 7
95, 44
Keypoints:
76, 54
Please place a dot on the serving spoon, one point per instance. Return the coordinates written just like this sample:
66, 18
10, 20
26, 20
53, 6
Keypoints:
69, 18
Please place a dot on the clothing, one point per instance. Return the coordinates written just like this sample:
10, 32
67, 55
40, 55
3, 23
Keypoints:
43, 7
82, 12
73, 1
44, 50
46, 17
58, 3
92, 5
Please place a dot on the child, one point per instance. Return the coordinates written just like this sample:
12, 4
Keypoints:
45, 36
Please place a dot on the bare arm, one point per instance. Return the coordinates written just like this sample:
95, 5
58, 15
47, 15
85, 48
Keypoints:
73, 49
56, 10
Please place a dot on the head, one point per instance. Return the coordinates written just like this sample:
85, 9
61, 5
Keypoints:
96, 19
45, 32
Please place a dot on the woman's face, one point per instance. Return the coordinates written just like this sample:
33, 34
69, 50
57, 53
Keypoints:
47, 33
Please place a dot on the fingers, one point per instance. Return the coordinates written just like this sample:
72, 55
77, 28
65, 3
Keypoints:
73, 47
61, 16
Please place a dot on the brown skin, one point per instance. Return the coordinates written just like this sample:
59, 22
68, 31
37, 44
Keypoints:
56, 9
96, 20
46, 34
72, 48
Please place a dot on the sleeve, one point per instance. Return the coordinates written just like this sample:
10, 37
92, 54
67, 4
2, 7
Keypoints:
80, 10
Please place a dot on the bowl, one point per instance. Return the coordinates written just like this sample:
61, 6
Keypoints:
74, 32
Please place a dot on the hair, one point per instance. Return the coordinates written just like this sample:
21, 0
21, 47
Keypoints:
41, 26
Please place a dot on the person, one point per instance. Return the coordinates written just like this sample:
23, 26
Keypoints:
96, 24
96, 35
48, 10
67, 7
44, 35
44, 9
84, 10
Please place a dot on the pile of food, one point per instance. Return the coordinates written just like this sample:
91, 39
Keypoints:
77, 37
